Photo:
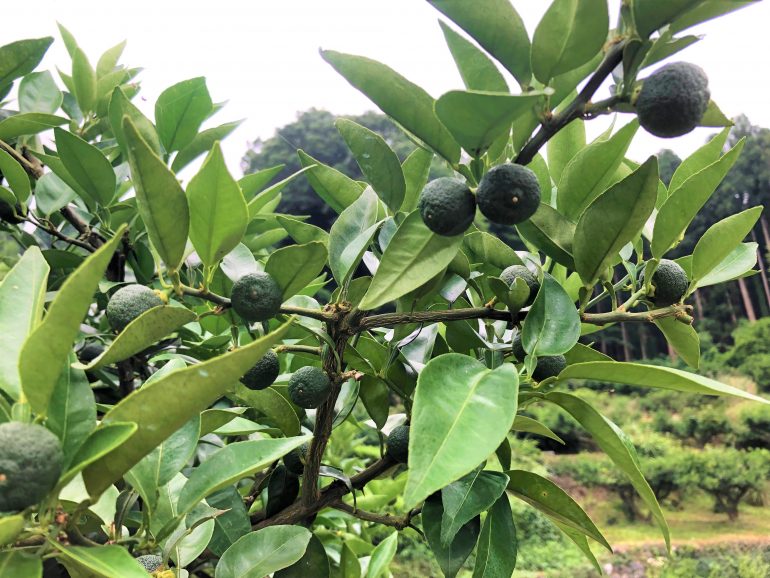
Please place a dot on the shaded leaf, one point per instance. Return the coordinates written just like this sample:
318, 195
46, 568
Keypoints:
263, 552
552, 325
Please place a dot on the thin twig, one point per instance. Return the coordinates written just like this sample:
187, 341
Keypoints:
391, 319
33, 171
681, 312
397, 522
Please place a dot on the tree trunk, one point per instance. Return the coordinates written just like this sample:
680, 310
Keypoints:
643, 341
747, 304
765, 232
731, 307
626, 344
699, 304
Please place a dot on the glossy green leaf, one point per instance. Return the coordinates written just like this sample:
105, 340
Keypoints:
84, 81
349, 564
295, 266
231, 525
408, 104
15, 176
414, 256
554, 502
552, 325
477, 119
160, 199
72, 414
699, 160
52, 193
100, 443
201, 143
102, 562
218, 211
498, 544
498, 28
10, 528
462, 411
336, 189
720, 240
263, 552
564, 146
22, 294
487, 248
20, 563
52, 339
202, 384
21, 57
378, 162
707, 10
144, 331
180, 110
683, 203
272, 404
382, 555
740, 261
570, 33
477, 70
452, 557
252, 183
87, 165
615, 444
28, 123
523, 423
650, 15
552, 233
592, 170
653, 376
109, 60
302, 232
351, 234
580, 540
38, 93
161, 465
683, 338
416, 168
613, 220
266, 198
314, 562
121, 106
468, 497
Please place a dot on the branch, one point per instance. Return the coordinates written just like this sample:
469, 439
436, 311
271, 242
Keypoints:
32, 170
397, 522
298, 349
92, 237
207, 295
681, 312
575, 109
391, 319
299, 510
54, 232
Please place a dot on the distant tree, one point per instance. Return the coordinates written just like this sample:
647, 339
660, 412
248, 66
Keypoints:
668, 161
314, 132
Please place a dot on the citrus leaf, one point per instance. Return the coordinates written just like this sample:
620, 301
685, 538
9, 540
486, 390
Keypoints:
180, 110
468, 497
101, 442
552, 326
351, 234
202, 384
20, 57
263, 552
119, 107
15, 176
28, 123
552, 233
414, 256
477, 407
683, 338
475, 67
202, 142
523, 423
382, 555
20, 563
498, 544
52, 339
337, 190
102, 562
740, 261
295, 266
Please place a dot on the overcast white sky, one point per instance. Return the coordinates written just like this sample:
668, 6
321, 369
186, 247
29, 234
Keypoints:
262, 56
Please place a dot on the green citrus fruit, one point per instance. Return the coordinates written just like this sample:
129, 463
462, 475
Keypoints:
510, 274
517, 349
295, 460
128, 303
9, 214
673, 100
309, 386
549, 366
669, 283
256, 297
264, 372
447, 206
150, 562
508, 194
398, 444
30, 464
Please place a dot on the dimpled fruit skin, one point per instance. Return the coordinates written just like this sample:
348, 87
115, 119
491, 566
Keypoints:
508, 194
549, 366
673, 100
398, 444
264, 372
510, 274
309, 386
128, 303
669, 282
295, 460
447, 206
30, 464
256, 297
150, 562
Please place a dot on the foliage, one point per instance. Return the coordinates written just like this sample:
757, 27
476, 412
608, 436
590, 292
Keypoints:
166, 453
751, 353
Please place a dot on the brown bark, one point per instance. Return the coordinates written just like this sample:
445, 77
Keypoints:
762, 269
748, 306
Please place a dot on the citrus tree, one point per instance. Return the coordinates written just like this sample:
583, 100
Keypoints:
181, 397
